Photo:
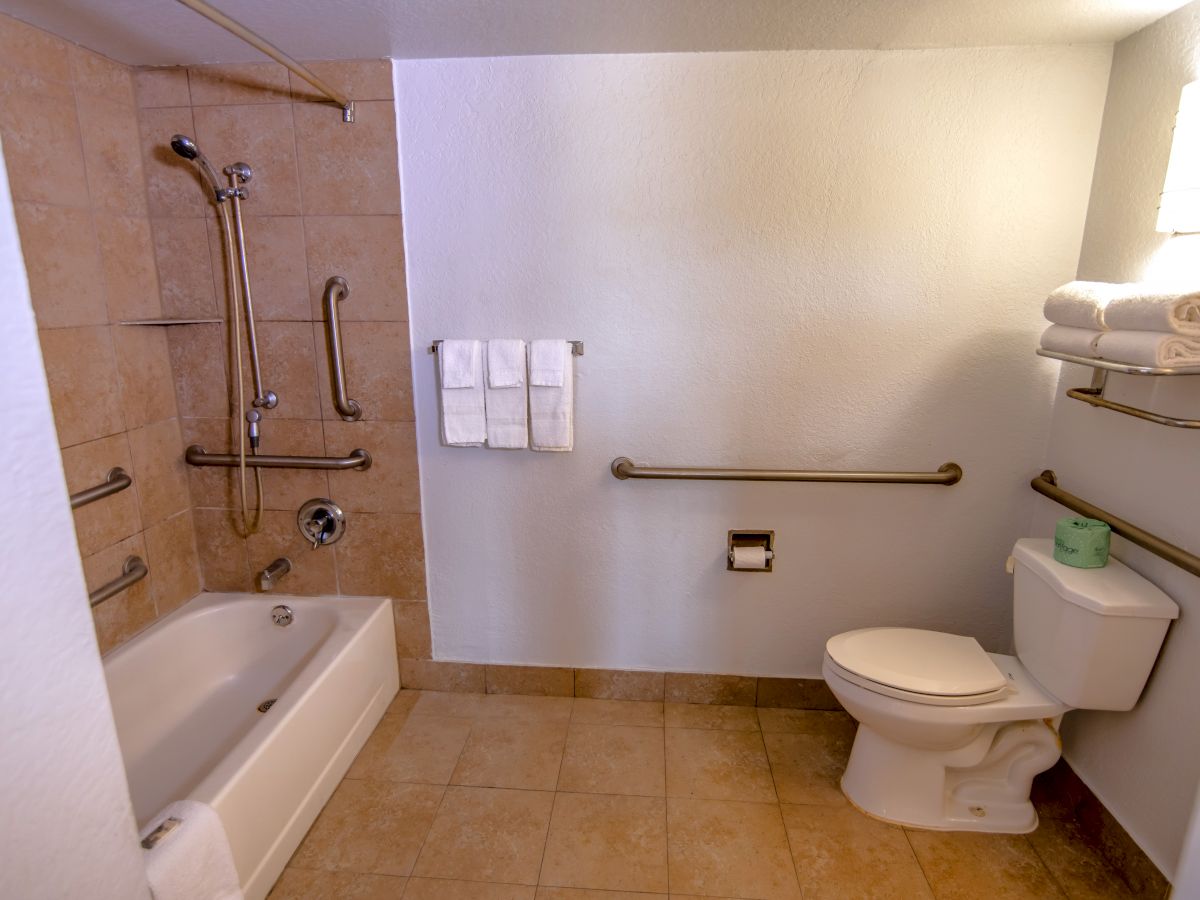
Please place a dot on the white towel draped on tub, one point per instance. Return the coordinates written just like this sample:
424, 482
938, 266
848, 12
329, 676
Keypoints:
551, 396
505, 399
193, 861
461, 366
1070, 340
1149, 348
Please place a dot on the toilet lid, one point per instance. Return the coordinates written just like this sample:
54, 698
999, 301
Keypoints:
923, 662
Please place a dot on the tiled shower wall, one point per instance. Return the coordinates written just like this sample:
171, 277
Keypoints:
324, 200
69, 124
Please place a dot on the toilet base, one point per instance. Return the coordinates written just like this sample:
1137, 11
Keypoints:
982, 786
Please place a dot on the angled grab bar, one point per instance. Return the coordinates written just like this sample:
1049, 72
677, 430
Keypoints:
195, 455
623, 467
132, 572
337, 290
114, 482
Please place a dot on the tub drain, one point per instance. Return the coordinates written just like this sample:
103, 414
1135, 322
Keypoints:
266, 704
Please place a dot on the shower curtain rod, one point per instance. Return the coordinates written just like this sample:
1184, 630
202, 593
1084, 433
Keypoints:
237, 29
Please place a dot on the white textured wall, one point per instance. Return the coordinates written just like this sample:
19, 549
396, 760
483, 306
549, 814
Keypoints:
1145, 764
800, 259
68, 829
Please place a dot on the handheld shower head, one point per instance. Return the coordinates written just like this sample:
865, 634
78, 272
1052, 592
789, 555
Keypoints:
186, 147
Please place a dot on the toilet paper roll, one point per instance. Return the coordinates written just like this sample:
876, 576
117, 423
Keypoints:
749, 557
1082, 543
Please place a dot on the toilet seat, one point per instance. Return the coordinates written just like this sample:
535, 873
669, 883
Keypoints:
929, 667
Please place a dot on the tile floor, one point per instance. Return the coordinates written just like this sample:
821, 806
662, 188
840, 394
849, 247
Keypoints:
501, 797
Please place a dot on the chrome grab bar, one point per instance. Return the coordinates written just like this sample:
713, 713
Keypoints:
195, 455
132, 572
623, 468
1046, 484
114, 482
336, 290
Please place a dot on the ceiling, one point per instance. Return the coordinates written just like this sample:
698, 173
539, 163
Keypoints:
163, 32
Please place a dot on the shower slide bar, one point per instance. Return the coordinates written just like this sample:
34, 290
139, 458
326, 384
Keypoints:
239, 30
337, 290
1046, 484
132, 572
114, 482
195, 455
576, 347
623, 467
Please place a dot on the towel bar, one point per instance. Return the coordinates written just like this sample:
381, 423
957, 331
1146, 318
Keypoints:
114, 482
576, 347
195, 455
623, 467
132, 572
1094, 393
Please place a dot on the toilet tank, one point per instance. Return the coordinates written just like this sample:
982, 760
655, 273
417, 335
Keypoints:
1089, 636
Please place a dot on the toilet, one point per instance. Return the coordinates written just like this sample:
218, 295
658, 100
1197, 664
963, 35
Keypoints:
950, 736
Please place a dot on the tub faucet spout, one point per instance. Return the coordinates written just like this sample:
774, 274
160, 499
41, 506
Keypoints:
269, 577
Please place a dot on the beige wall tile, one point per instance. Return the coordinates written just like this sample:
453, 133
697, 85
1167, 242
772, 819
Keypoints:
62, 262
378, 373
368, 251
612, 684
614, 759
718, 765
288, 489
541, 681
199, 357
728, 690
705, 715
144, 366
796, 693
159, 474
104, 522
808, 767
359, 79
98, 76
261, 136
505, 752
167, 86
288, 360
42, 147
190, 285
383, 554
223, 561
112, 156
429, 675
173, 186
617, 712
313, 884
998, 866
450, 889
275, 255
172, 557
413, 640
125, 614
237, 83
313, 572
392, 484
130, 272
348, 170
607, 843
85, 392
25, 47
421, 749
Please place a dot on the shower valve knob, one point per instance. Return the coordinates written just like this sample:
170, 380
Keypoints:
321, 521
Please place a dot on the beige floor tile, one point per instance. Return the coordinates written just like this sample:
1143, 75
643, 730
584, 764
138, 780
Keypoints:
529, 709
718, 765
721, 718
403, 703
487, 834
964, 866
512, 753
417, 749
617, 712
374, 827
450, 889
841, 854
609, 843
726, 849
561, 893
1079, 870
808, 767
313, 884
805, 721
614, 759
448, 705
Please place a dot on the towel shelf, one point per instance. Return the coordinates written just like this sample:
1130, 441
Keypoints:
1046, 484
623, 468
195, 455
114, 482
576, 347
132, 572
1094, 393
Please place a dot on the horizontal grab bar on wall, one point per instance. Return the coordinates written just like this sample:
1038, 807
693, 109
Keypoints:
132, 572
623, 468
1046, 484
115, 482
198, 456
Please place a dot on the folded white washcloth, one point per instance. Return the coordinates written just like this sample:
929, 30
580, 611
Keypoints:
505, 399
463, 421
1149, 348
551, 406
1177, 313
1081, 304
1070, 340
193, 860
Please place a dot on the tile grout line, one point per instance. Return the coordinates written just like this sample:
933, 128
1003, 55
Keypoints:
787, 836
917, 857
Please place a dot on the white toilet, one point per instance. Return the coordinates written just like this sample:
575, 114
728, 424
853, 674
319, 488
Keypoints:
950, 736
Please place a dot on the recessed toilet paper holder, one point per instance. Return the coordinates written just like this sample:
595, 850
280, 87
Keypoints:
764, 539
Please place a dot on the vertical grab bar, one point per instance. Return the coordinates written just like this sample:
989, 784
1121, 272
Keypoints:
336, 290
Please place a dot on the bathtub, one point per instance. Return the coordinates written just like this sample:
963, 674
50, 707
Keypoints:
192, 697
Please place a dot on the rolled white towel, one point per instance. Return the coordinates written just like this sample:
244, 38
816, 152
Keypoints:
1149, 348
1070, 340
1081, 304
1177, 313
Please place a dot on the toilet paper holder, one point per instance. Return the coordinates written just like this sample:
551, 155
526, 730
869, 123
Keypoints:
764, 539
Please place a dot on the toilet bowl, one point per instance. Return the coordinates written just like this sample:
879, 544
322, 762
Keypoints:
950, 736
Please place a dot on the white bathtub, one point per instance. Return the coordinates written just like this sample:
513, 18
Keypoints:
186, 692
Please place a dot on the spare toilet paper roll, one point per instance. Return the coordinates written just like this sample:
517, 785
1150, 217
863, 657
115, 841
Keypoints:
1082, 543
749, 557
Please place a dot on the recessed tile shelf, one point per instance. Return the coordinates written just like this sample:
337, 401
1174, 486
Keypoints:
172, 322
1094, 394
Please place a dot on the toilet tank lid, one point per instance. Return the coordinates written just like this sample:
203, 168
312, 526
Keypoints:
1114, 590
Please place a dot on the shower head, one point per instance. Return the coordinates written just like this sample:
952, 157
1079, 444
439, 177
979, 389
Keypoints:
186, 147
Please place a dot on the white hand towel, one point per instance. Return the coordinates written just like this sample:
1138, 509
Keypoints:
193, 861
463, 421
505, 399
1074, 341
1146, 310
1081, 304
1149, 348
551, 406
